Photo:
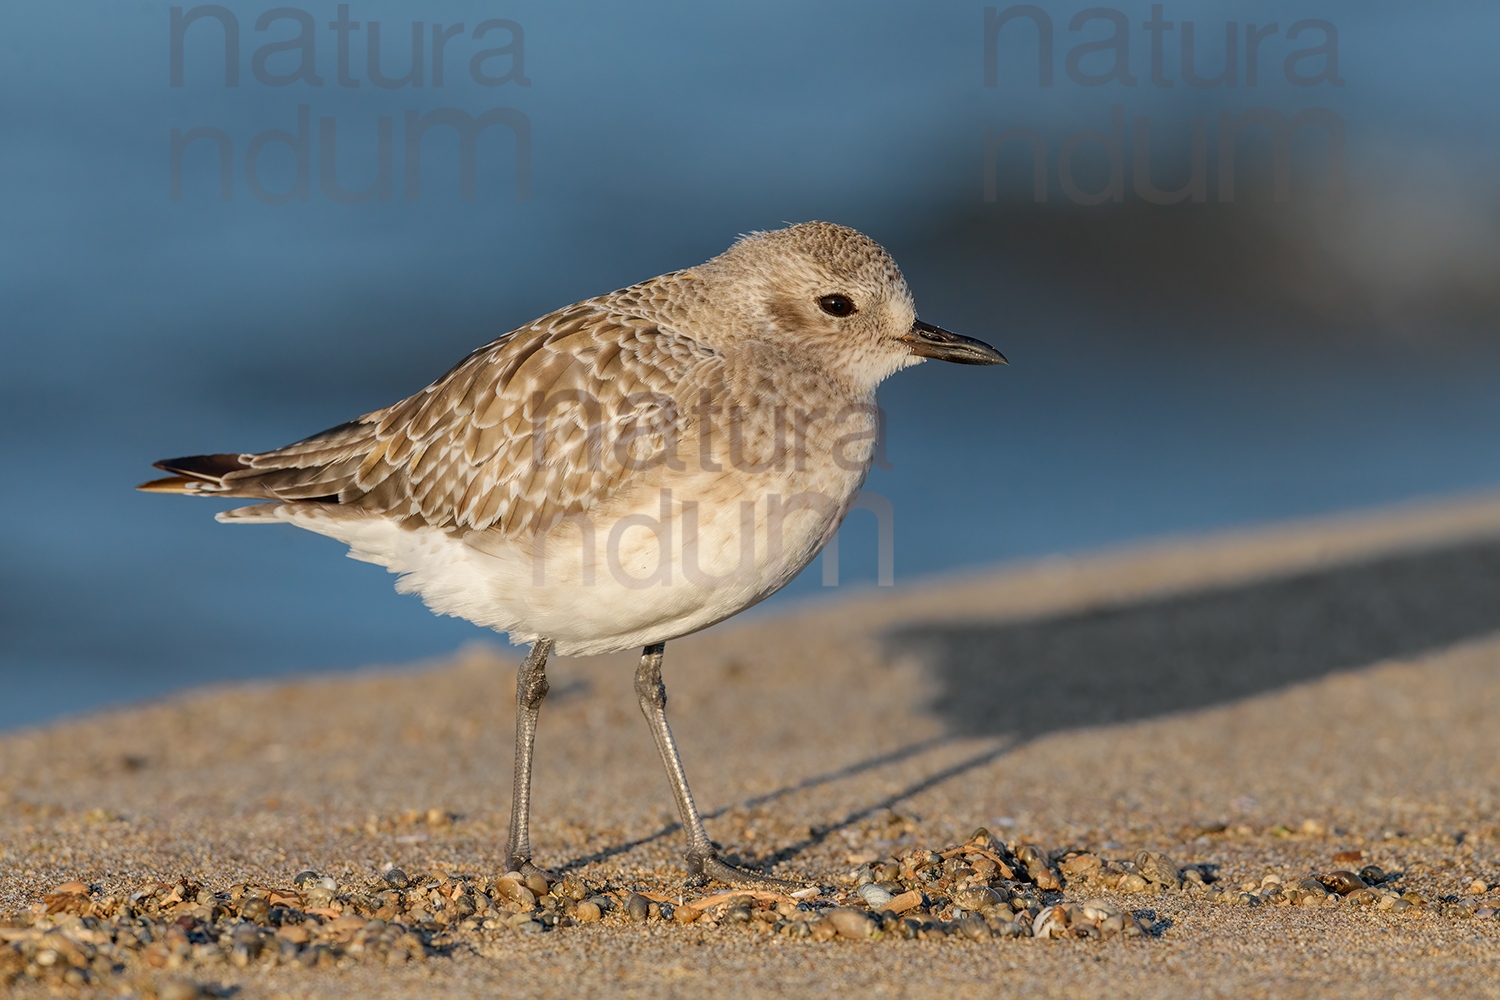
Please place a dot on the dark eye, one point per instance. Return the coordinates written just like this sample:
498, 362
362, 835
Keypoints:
836, 305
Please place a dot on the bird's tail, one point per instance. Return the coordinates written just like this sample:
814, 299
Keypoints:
322, 469
197, 474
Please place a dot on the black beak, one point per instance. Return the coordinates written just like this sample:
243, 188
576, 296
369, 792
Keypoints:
928, 341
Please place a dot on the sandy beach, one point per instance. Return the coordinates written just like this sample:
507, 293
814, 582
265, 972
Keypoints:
1286, 702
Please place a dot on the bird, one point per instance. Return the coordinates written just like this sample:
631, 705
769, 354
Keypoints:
620, 472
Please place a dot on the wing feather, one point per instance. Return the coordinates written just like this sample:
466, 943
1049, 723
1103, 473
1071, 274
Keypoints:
540, 424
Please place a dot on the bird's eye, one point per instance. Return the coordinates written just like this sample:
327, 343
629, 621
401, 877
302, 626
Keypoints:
836, 305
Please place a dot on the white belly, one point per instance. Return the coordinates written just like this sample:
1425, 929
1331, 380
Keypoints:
659, 564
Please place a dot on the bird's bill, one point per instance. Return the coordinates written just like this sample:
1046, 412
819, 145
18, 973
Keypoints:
928, 341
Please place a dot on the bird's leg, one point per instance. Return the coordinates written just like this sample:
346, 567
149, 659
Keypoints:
531, 688
702, 861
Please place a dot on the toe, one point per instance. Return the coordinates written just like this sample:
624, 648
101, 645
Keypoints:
720, 871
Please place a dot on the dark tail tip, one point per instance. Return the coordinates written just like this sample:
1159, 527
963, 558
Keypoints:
209, 468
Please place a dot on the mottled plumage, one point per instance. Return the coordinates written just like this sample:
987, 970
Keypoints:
502, 443
626, 469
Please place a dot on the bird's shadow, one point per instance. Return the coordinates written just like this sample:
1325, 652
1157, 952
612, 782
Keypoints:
821, 833
1187, 651
1016, 681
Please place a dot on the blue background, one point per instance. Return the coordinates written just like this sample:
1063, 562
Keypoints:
1174, 368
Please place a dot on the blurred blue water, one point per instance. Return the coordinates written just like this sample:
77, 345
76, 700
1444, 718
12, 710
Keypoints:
137, 327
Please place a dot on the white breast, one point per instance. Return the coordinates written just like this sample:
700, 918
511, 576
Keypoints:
675, 558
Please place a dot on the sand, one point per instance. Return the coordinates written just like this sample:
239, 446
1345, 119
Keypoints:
1299, 691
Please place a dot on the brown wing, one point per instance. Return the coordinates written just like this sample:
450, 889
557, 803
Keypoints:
542, 423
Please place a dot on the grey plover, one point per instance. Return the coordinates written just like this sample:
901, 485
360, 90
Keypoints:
620, 472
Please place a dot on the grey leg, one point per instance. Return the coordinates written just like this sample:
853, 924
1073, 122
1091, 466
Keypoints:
531, 688
702, 861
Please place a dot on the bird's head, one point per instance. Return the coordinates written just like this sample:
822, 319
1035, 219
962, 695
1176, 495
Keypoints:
824, 289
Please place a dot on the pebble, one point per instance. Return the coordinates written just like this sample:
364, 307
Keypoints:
180, 989
511, 890
1050, 923
395, 917
1342, 882
977, 898
295, 933
1158, 868
852, 923
1038, 867
1081, 867
908, 900
637, 907
975, 928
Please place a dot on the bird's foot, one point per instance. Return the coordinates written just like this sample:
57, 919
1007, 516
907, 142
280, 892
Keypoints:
711, 868
525, 867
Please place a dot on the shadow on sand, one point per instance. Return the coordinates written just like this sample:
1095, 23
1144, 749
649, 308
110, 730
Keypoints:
1016, 681
1188, 651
